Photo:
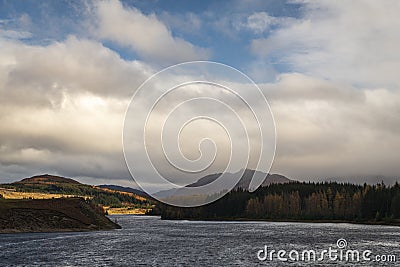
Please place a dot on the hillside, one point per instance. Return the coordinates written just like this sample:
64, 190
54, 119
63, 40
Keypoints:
124, 189
47, 179
50, 186
52, 215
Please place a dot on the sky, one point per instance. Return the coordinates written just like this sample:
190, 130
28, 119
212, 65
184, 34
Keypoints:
329, 70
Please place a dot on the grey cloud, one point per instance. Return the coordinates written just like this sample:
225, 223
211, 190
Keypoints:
300, 87
325, 130
62, 108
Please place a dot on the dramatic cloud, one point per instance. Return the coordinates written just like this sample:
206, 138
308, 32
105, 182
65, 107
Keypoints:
326, 129
146, 35
332, 84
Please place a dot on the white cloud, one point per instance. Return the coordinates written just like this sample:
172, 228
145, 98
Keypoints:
11, 34
44, 72
16, 29
259, 22
145, 34
355, 42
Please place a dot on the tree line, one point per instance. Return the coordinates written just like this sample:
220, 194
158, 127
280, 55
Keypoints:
300, 201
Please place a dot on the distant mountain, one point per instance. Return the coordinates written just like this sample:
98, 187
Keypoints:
166, 193
124, 189
243, 183
47, 179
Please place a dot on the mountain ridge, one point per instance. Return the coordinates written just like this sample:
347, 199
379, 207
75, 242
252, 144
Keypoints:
124, 189
243, 183
47, 179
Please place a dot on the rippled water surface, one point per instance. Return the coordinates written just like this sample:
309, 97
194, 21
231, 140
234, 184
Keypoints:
149, 241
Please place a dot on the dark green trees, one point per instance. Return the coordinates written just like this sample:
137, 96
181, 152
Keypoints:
301, 201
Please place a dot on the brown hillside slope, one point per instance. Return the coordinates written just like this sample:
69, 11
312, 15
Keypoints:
52, 215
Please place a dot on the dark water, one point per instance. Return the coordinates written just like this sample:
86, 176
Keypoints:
149, 241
